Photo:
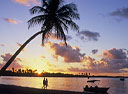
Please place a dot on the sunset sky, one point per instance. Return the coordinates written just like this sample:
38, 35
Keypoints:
101, 46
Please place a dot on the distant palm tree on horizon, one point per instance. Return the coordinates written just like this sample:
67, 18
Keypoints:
53, 15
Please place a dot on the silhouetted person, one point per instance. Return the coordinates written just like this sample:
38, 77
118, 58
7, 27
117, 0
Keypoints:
46, 81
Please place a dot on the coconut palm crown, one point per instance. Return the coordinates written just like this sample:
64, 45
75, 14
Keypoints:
52, 15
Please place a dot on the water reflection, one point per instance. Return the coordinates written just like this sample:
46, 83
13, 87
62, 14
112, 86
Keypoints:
116, 86
71, 84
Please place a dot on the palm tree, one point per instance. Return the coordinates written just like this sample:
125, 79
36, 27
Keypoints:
53, 15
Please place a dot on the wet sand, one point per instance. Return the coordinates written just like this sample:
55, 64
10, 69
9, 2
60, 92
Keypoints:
11, 89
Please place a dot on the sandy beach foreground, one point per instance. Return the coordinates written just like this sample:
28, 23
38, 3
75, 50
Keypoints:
11, 89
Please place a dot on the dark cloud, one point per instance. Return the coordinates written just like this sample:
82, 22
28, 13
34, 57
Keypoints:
6, 57
94, 51
115, 54
116, 59
15, 63
88, 35
122, 12
69, 53
112, 61
2, 45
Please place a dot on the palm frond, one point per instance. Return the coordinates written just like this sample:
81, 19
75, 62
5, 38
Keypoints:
63, 25
44, 3
36, 20
69, 14
72, 24
60, 32
37, 9
70, 9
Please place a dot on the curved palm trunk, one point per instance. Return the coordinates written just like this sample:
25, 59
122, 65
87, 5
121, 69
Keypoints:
18, 51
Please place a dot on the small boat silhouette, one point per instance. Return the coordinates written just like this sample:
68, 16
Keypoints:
95, 88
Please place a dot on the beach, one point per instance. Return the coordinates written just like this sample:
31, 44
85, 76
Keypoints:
11, 89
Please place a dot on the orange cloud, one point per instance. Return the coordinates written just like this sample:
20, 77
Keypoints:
13, 21
43, 57
27, 2
19, 44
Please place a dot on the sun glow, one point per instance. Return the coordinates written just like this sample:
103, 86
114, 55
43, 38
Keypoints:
37, 63
39, 71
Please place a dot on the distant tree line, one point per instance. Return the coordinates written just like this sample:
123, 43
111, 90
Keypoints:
23, 70
30, 72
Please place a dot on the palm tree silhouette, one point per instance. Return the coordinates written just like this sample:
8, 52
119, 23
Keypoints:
53, 15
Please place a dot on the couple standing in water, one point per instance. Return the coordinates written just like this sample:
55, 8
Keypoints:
45, 83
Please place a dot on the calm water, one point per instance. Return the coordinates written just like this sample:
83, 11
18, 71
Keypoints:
71, 84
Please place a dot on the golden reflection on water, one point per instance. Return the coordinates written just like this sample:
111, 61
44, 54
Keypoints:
73, 84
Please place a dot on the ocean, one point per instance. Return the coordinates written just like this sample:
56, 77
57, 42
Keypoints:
70, 84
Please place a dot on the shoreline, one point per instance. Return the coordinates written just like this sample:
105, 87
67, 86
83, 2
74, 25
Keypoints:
68, 77
12, 89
